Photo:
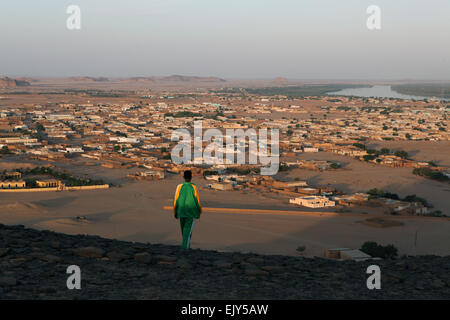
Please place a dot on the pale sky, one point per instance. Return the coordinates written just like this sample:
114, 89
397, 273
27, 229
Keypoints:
255, 39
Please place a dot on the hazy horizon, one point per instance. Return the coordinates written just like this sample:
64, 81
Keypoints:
258, 40
336, 80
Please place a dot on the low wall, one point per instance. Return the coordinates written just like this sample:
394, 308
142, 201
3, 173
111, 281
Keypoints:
29, 190
101, 186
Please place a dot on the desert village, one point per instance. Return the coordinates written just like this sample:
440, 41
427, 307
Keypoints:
120, 141
137, 135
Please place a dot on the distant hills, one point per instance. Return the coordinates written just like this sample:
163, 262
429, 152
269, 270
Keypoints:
280, 81
172, 78
89, 79
6, 82
176, 78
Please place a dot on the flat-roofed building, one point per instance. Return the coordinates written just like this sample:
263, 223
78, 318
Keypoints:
12, 140
222, 186
61, 117
154, 174
12, 184
13, 175
291, 184
313, 202
47, 183
310, 149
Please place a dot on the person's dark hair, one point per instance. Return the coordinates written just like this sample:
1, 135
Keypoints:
188, 175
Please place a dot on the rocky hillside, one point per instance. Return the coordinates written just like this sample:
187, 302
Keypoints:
178, 78
12, 83
33, 265
89, 79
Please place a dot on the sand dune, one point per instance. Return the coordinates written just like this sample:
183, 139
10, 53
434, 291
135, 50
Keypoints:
22, 208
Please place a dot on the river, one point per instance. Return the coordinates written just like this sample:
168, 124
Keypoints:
378, 91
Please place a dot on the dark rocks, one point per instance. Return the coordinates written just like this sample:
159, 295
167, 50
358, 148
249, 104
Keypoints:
3, 252
411, 266
255, 272
7, 281
438, 284
17, 262
117, 256
55, 244
45, 257
143, 257
183, 264
51, 258
33, 266
273, 269
89, 252
255, 260
204, 262
222, 264
237, 258
48, 290
163, 259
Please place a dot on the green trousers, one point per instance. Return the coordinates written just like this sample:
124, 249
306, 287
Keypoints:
187, 224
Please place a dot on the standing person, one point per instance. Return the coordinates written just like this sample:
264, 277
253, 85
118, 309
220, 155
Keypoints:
187, 207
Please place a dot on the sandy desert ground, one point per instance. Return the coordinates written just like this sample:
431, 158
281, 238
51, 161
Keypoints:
357, 176
437, 151
134, 212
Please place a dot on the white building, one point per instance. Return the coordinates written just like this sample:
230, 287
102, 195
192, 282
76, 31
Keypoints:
313, 202
74, 150
153, 173
124, 139
222, 186
310, 149
60, 117
17, 140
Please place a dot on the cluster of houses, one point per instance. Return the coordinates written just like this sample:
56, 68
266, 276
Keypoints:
137, 134
132, 131
315, 164
313, 201
13, 180
148, 175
